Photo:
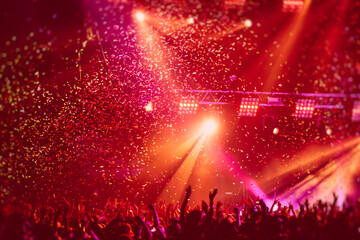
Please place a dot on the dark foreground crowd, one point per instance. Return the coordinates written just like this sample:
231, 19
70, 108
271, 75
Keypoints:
123, 220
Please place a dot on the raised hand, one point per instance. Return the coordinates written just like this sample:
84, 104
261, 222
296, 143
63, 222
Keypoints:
183, 205
156, 217
204, 207
335, 197
212, 194
238, 221
291, 206
274, 203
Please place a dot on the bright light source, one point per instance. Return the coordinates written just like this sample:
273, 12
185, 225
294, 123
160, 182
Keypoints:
233, 4
355, 116
248, 107
140, 16
190, 20
188, 106
328, 131
276, 131
149, 107
292, 5
247, 23
274, 101
209, 126
305, 108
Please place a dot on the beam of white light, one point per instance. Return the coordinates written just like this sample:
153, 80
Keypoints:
338, 176
247, 23
140, 16
209, 127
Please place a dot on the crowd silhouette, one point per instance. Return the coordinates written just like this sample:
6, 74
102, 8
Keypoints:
124, 220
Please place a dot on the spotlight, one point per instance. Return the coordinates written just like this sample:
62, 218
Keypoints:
247, 23
328, 131
292, 5
276, 131
188, 106
140, 16
149, 107
234, 4
190, 20
355, 116
209, 127
305, 108
249, 107
274, 101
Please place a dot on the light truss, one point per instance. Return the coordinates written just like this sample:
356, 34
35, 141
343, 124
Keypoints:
219, 97
292, 5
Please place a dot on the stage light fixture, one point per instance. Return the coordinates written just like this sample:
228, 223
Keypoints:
234, 4
274, 101
247, 23
209, 126
149, 107
305, 108
140, 16
355, 116
248, 107
276, 131
188, 106
328, 131
190, 20
292, 5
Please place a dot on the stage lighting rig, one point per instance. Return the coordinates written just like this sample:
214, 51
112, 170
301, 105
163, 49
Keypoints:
274, 101
231, 4
292, 5
188, 106
304, 108
355, 116
248, 107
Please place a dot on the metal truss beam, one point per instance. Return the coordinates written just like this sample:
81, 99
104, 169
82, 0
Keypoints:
328, 100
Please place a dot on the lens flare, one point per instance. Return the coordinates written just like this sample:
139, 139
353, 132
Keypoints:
140, 16
209, 127
190, 20
328, 131
276, 131
247, 23
149, 107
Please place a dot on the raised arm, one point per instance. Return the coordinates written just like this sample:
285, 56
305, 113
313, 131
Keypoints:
205, 208
238, 220
157, 226
273, 205
291, 208
143, 231
301, 213
211, 197
333, 205
155, 214
183, 206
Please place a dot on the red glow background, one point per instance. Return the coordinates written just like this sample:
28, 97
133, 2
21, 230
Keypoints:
76, 76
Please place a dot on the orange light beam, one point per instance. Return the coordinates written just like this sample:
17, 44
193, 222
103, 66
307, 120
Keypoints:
308, 158
172, 192
337, 176
286, 45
